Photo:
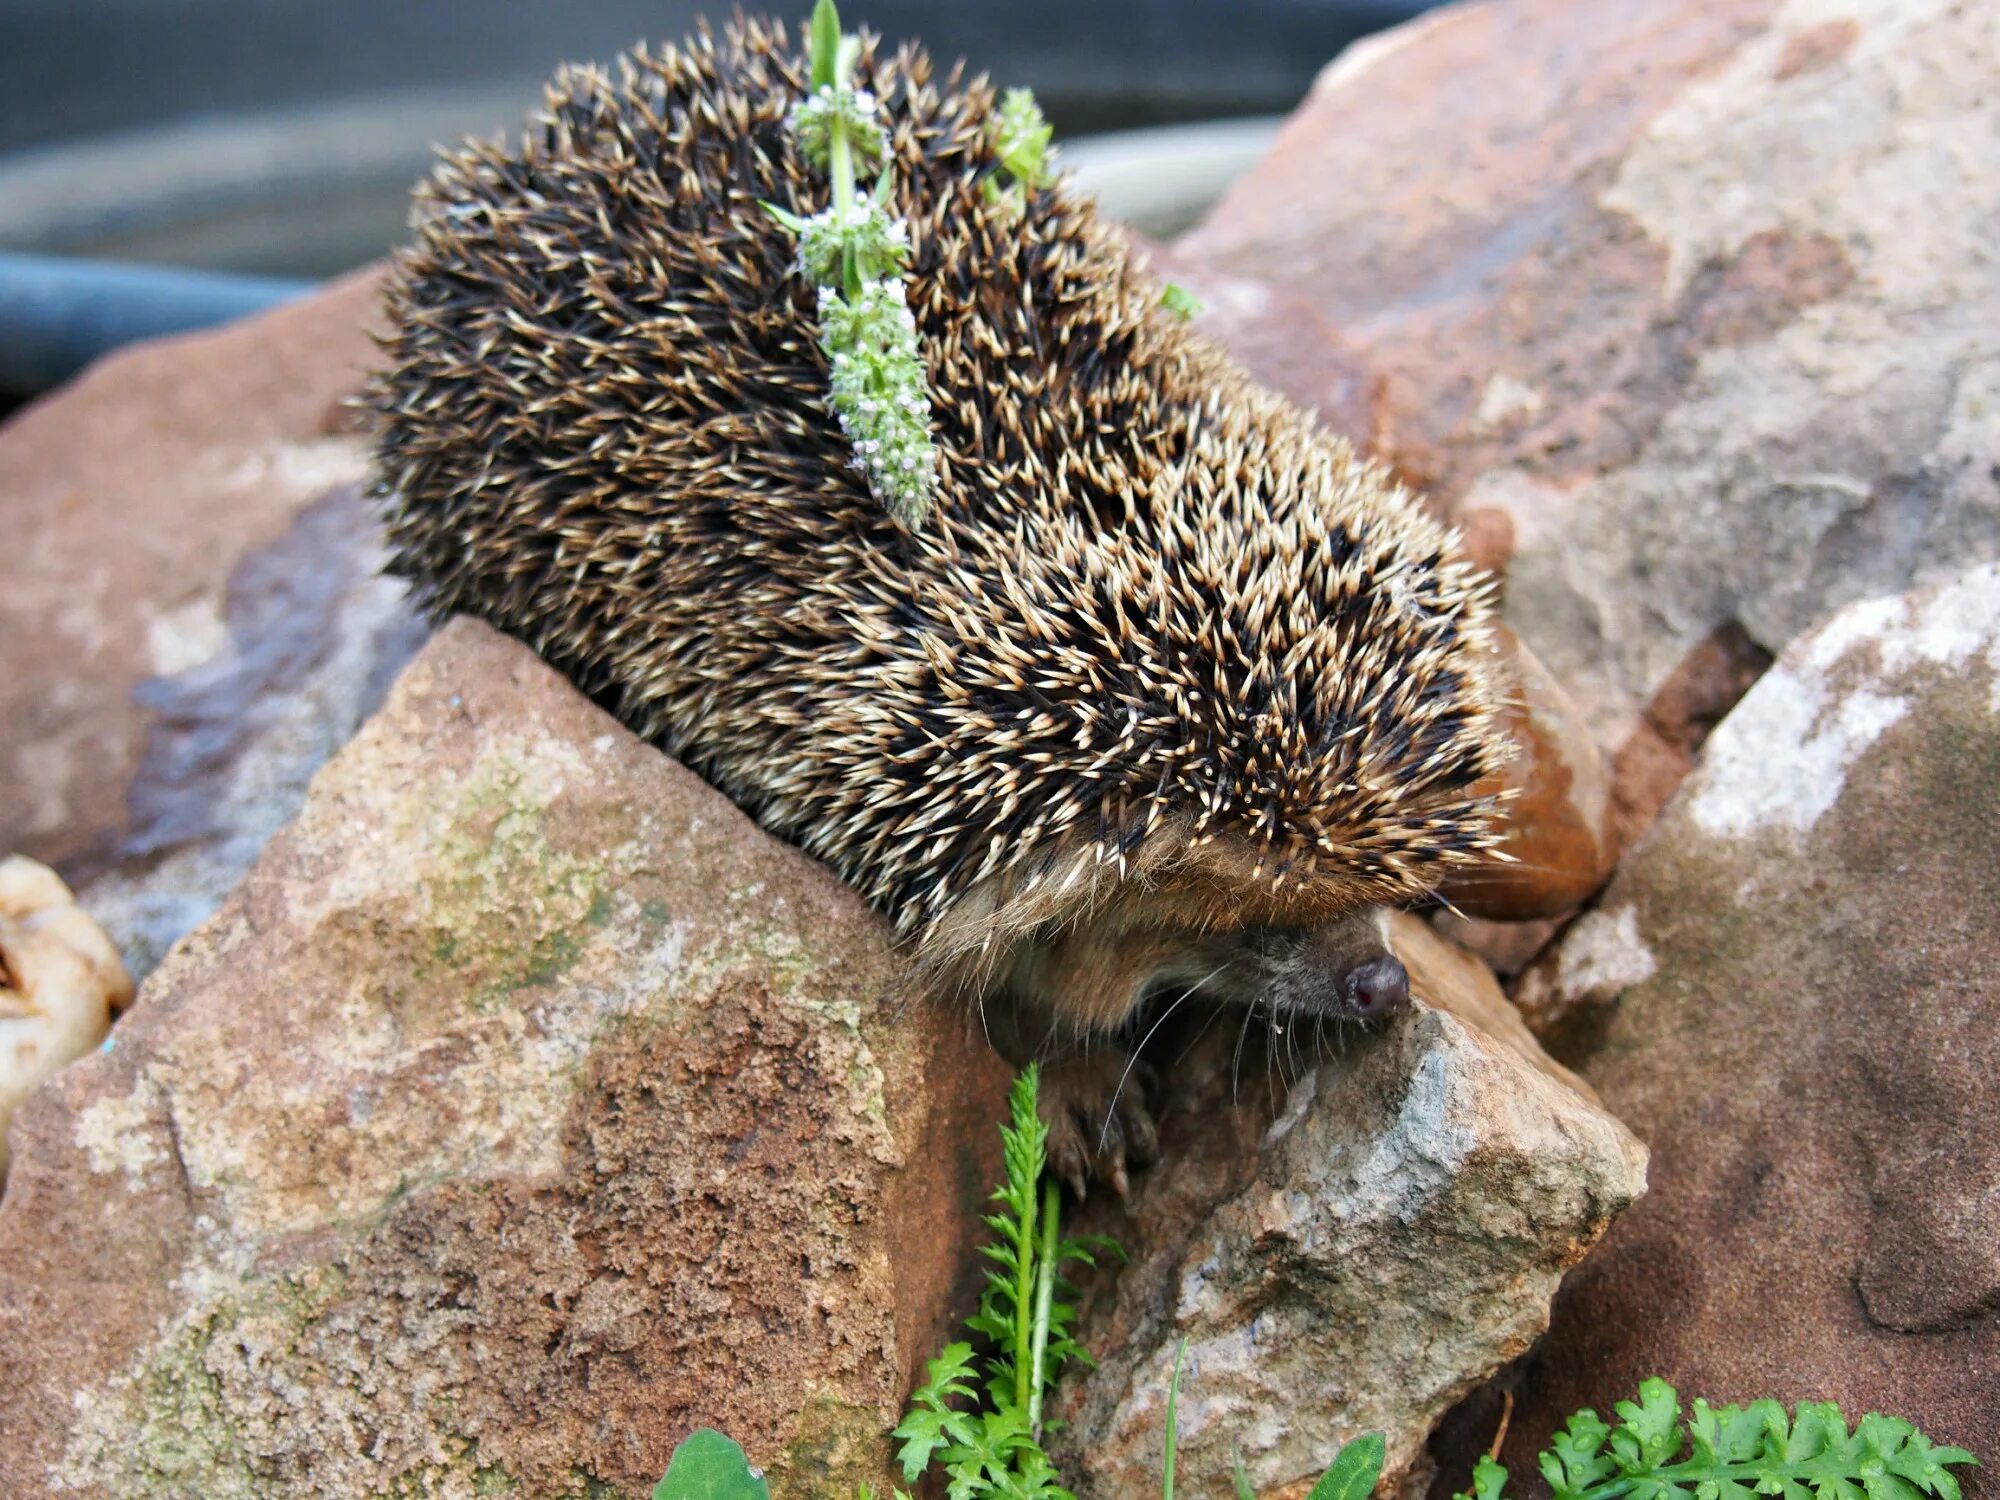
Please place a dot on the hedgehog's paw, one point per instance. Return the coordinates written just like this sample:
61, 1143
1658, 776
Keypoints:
1100, 1125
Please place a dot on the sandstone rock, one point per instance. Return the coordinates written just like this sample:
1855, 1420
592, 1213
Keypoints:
1393, 1238
1796, 986
61, 981
523, 1110
193, 618
1700, 298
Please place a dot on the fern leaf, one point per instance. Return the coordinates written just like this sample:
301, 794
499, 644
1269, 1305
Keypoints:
1736, 1453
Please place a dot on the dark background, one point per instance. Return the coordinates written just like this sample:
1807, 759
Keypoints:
280, 136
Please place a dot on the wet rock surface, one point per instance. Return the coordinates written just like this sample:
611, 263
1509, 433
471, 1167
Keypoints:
1687, 311
194, 617
523, 1110
1391, 1238
1793, 991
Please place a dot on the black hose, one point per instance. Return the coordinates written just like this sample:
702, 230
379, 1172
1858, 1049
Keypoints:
58, 315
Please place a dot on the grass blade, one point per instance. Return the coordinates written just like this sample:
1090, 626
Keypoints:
1173, 1421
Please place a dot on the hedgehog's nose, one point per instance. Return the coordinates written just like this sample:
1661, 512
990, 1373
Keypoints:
1378, 987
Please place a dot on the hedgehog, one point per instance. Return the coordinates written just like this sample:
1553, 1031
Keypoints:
1171, 690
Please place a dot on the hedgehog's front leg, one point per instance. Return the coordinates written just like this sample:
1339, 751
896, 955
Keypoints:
1064, 1002
1096, 1105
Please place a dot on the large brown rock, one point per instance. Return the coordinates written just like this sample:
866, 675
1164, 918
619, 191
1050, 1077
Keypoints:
524, 1109
1796, 990
193, 617
1692, 307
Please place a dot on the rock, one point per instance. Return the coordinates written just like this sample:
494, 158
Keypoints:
1555, 821
1700, 298
523, 1110
1453, 979
1659, 753
194, 618
1392, 1239
1506, 947
1795, 985
61, 981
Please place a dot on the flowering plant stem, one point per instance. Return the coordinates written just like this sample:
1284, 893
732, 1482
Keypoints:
841, 156
854, 251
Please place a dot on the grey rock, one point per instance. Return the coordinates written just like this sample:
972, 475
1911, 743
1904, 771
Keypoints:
1407, 1220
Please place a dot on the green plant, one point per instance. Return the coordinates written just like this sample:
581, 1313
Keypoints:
708, 1466
1733, 1453
1179, 301
990, 1443
854, 251
1021, 139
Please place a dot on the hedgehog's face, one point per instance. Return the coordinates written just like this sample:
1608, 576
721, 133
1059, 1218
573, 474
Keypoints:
1341, 971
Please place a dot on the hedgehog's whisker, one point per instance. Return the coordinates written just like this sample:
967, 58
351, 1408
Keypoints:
1132, 1061
1236, 1066
1214, 1010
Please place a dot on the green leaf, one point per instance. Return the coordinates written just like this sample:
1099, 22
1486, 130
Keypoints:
1741, 1453
825, 49
1489, 1478
1650, 1433
1173, 1422
1021, 139
790, 220
1354, 1470
1575, 1459
930, 1423
1178, 300
708, 1466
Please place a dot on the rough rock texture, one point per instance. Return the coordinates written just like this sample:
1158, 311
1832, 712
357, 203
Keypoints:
1796, 990
1692, 307
1394, 1237
1454, 979
522, 1111
61, 982
193, 617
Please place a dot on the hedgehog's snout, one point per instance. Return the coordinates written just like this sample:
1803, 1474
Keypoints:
1343, 971
1379, 987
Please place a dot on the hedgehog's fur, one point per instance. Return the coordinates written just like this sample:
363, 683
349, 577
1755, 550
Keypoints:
1163, 659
